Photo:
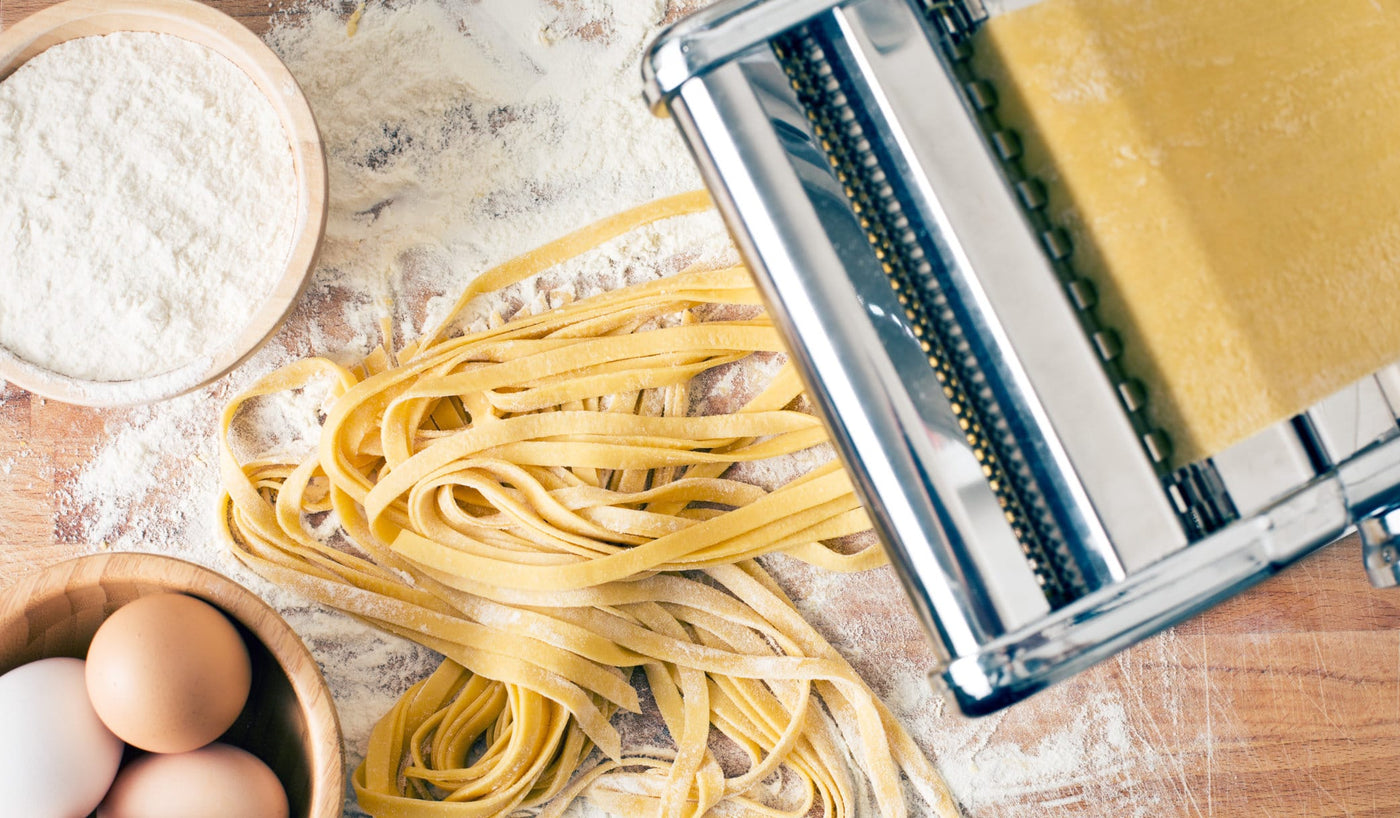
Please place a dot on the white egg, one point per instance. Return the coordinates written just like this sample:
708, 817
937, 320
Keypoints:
57, 759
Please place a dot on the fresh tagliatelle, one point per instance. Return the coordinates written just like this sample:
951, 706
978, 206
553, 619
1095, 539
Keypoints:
536, 503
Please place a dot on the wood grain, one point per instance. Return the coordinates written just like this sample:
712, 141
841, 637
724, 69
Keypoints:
1284, 701
257, 16
289, 721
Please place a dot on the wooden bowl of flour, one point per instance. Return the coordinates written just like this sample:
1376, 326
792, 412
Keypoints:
221, 34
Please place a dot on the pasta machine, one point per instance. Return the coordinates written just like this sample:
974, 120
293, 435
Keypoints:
979, 403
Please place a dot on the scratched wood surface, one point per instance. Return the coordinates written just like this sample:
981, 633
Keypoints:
1282, 702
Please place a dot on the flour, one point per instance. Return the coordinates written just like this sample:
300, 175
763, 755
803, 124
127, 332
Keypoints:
1075, 745
499, 127
147, 201
474, 147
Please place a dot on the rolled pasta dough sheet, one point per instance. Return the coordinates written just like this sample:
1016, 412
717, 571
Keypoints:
1230, 176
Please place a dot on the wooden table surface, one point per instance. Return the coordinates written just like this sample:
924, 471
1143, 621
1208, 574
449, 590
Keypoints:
1284, 701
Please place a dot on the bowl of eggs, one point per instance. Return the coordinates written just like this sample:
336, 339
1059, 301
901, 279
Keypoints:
162, 198
142, 685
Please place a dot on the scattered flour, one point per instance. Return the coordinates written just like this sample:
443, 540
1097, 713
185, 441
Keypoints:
501, 125
1075, 748
148, 195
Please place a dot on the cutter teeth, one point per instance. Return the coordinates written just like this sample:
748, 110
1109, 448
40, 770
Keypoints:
869, 185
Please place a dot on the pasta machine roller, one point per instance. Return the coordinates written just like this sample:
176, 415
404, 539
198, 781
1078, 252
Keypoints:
975, 397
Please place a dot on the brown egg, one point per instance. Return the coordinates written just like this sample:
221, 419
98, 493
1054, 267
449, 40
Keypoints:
218, 781
168, 673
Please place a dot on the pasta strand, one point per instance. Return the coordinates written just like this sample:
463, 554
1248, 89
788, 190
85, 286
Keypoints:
536, 502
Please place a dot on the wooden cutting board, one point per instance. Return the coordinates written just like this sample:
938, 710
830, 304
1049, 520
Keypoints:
1284, 701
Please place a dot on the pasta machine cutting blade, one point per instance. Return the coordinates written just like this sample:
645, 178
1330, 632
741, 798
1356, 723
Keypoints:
975, 396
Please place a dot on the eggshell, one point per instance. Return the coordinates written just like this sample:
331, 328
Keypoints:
168, 673
57, 759
218, 781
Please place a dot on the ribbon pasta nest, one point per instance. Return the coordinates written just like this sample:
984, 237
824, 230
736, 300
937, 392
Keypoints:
535, 503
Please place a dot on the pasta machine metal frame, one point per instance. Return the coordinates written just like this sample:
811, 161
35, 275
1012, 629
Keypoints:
973, 394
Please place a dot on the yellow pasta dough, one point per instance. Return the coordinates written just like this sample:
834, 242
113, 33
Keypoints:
536, 503
1230, 176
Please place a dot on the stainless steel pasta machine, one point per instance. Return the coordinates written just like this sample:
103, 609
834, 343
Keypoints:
974, 394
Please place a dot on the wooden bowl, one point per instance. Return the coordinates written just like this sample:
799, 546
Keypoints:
222, 34
289, 721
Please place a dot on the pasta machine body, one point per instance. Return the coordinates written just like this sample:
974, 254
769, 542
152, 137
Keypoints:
974, 395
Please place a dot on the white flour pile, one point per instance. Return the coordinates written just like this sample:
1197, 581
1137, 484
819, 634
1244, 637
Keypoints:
457, 138
147, 202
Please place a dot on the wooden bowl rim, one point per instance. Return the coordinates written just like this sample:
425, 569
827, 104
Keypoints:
327, 764
209, 27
